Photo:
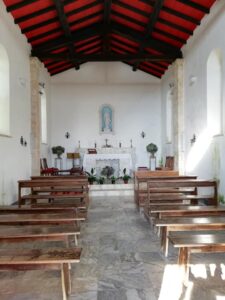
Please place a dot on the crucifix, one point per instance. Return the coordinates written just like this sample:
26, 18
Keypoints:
106, 141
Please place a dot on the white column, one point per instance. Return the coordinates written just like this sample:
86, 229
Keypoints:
35, 66
178, 111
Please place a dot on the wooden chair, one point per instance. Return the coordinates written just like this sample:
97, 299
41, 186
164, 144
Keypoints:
45, 170
169, 163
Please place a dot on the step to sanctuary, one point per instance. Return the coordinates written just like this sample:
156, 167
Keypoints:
111, 189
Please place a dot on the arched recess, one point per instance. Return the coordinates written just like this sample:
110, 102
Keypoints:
4, 92
214, 92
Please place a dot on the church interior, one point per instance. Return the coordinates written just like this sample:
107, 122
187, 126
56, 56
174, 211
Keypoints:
112, 146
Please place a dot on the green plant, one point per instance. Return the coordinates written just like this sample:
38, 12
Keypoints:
58, 150
125, 177
101, 180
152, 148
113, 179
221, 199
161, 162
91, 176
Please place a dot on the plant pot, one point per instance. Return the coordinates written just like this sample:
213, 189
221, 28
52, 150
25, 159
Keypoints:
113, 181
125, 181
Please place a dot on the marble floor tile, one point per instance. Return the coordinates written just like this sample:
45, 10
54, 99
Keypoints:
121, 260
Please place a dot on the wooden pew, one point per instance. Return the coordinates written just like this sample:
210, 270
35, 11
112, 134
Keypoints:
49, 258
29, 233
142, 179
187, 224
52, 189
188, 187
196, 243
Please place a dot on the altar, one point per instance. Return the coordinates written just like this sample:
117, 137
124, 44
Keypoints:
117, 158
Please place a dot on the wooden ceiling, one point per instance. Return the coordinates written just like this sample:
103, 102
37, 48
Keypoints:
145, 34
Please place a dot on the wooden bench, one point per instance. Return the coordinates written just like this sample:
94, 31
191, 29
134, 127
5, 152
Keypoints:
187, 224
28, 233
196, 243
165, 211
52, 189
141, 192
50, 258
179, 186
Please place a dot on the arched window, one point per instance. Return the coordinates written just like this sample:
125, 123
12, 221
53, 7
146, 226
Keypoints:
214, 92
43, 117
4, 93
169, 116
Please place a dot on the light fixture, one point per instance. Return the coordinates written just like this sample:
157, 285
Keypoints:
193, 139
67, 135
192, 80
21, 140
143, 134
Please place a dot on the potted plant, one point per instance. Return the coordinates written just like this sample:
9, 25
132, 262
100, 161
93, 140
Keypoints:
125, 177
101, 180
152, 148
91, 176
58, 150
113, 179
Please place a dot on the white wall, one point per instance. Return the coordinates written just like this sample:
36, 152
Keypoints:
77, 97
15, 160
206, 157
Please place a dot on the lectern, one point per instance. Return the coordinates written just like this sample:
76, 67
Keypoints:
74, 156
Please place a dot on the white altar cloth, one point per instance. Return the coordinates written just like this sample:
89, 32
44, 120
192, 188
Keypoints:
124, 159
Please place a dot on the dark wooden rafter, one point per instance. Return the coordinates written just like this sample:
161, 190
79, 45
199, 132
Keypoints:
174, 12
109, 57
106, 24
135, 50
149, 43
160, 20
66, 28
39, 12
134, 21
195, 5
55, 19
19, 5
150, 27
76, 22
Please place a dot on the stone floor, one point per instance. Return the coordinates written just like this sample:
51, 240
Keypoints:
121, 260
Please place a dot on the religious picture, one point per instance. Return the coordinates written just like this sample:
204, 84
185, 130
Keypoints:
106, 119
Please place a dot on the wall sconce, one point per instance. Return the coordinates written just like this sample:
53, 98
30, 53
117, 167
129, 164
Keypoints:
21, 140
42, 84
143, 134
192, 80
193, 139
67, 135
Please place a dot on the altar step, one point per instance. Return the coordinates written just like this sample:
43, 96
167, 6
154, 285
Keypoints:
111, 189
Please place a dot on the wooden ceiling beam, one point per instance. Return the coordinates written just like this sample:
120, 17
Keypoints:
19, 5
160, 20
130, 19
39, 12
78, 36
55, 19
195, 5
76, 22
106, 21
153, 18
136, 36
109, 57
66, 28
174, 12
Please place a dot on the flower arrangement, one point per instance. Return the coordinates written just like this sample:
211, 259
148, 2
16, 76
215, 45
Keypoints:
152, 148
58, 150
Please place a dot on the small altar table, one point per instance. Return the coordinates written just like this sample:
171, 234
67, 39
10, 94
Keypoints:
118, 161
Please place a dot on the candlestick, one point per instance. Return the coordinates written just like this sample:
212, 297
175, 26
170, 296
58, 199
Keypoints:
120, 144
131, 143
78, 144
